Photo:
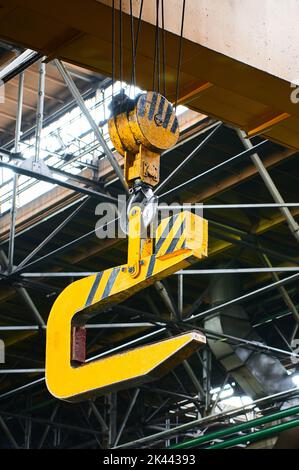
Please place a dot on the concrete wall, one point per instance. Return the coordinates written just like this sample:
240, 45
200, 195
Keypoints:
263, 34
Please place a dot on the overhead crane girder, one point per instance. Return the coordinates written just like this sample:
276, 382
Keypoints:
234, 76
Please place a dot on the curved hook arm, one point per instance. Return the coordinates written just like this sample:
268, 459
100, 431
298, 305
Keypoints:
180, 241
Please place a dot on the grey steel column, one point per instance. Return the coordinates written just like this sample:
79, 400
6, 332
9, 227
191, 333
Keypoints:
207, 377
40, 109
46, 431
112, 401
129, 410
284, 293
161, 289
99, 417
80, 102
219, 394
180, 294
13, 212
25, 296
8, 433
167, 299
294, 227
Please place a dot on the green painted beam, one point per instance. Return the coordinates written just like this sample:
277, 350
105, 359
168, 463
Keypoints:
240, 427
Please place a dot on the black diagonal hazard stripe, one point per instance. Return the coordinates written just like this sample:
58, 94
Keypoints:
151, 266
142, 105
176, 238
110, 283
174, 126
182, 244
166, 231
161, 106
94, 289
168, 115
152, 106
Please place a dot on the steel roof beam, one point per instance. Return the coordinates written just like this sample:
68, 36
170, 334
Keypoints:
25, 296
49, 179
270, 185
80, 102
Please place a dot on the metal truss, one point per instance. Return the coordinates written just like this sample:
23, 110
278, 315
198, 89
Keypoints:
101, 421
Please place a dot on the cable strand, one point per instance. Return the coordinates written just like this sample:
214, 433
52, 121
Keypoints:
155, 56
158, 44
163, 51
137, 38
180, 56
120, 44
113, 45
133, 45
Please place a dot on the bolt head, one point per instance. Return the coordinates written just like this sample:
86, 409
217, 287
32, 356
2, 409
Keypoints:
158, 120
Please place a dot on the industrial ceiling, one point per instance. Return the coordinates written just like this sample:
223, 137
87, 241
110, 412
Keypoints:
252, 234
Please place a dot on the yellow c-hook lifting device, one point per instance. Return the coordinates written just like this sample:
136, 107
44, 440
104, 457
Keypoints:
178, 241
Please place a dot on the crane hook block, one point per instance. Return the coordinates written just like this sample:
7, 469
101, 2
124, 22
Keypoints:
178, 241
141, 129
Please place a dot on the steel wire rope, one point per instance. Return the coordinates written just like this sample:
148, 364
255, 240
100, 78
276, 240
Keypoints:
133, 79
136, 40
158, 44
180, 55
120, 47
138, 32
163, 50
155, 54
113, 45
